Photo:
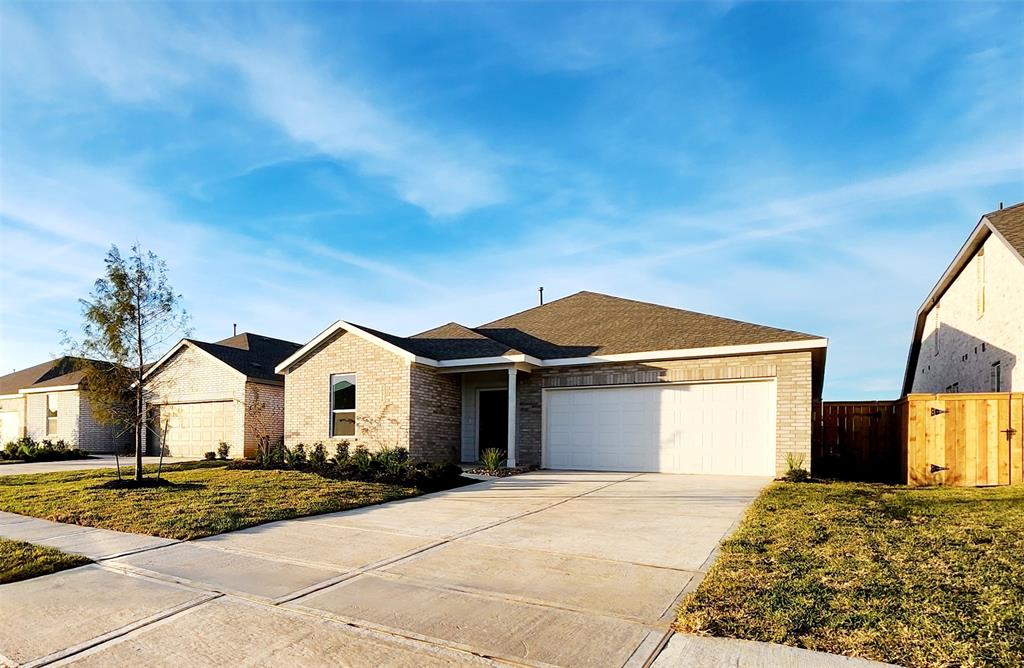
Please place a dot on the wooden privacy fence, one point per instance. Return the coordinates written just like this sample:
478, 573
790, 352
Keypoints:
923, 439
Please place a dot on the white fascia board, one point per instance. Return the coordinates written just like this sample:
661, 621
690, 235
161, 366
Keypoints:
10, 396
282, 368
178, 346
501, 359
170, 353
686, 353
51, 388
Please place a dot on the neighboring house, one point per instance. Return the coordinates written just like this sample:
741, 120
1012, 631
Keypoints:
969, 333
202, 394
589, 381
46, 402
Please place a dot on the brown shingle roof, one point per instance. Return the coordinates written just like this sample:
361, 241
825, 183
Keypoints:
1010, 223
589, 323
455, 341
61, 371
252, 354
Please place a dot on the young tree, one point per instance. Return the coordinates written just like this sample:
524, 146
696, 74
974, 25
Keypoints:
128, 320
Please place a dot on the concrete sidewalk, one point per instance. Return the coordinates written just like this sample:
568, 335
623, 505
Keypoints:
543, 569
93, 462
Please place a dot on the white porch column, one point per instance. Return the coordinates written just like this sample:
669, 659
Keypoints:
513, 414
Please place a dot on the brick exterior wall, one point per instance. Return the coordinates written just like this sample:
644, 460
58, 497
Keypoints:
96, 437
792, 372
192, 376
959, 345
13, 409
435, 415
382, 394
270, 417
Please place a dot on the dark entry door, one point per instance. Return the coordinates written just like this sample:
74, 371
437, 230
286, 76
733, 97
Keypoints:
493, 429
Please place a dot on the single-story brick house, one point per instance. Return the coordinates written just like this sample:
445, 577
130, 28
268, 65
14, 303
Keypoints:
969, 332
200, 394
590, 381
45, 401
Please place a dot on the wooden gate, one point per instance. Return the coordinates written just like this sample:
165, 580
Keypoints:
963, 439
923, 439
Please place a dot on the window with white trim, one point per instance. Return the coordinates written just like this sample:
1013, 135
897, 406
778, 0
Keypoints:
343, 404
51, 414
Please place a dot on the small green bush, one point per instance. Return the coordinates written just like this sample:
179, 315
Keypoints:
27, 449
222, 450
296, 457
795, 469
340, 458
492, 459
211, 455
318, 456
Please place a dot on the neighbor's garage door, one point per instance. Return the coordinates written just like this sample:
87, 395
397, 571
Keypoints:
194, 429
723, 428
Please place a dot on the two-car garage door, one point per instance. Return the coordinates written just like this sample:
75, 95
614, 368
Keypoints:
721, 428
195, 428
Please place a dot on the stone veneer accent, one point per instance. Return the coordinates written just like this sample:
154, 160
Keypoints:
792, 372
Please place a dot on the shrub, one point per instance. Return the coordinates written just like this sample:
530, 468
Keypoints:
211, 455
362, 461
795, 469
340, 458
318, 456
222, 450
492, 459
27, 449
296, 457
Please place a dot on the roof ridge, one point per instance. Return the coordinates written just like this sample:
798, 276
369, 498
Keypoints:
1005, 208
532, 308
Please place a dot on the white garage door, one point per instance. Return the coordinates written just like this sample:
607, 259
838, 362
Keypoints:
10, 427
194, 429
723, 428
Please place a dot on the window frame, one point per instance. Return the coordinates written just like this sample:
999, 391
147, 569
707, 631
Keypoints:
996, 377
52, 421
354, 379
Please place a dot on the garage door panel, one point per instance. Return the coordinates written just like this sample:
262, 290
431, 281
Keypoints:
195, 428
724, 428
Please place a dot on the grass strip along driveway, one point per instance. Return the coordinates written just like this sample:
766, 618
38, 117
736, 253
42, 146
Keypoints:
918, 577
204, 498
21, 561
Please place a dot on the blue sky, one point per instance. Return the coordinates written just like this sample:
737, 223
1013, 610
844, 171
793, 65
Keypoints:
808, 166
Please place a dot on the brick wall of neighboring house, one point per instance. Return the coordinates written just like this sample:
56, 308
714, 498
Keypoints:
435, 415
67, 416
193, 376
264, 414
975, 324
382, 394
792, 372
96, 437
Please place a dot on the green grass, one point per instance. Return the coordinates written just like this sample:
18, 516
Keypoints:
206, 498
918, 577
21, 561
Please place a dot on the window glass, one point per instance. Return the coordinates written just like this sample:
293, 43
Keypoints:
343, 404
51, 414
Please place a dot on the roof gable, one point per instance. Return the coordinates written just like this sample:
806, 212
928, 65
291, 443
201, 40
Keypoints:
1008, 223
253, 355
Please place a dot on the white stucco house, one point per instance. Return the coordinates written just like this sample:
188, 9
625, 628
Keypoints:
969, 332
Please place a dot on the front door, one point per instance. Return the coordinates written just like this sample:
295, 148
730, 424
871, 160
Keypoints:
493, 429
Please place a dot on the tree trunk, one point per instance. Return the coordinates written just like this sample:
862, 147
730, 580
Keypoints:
139, 426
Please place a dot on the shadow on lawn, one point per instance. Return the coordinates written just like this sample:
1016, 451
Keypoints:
149, 483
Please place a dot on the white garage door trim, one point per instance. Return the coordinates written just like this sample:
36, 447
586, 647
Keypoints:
765, 467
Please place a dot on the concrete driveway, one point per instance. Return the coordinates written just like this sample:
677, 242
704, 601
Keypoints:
548, 568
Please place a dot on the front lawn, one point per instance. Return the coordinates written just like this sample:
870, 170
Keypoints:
918, 577
204, 499
21, 561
